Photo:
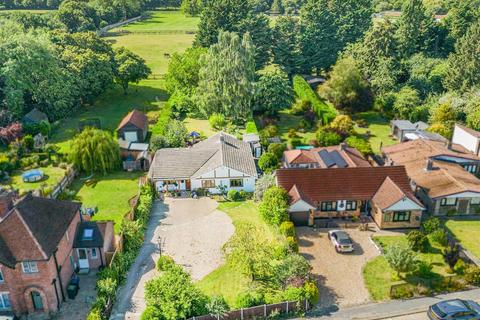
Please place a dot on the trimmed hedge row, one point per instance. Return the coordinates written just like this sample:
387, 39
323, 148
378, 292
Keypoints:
166, 113
304, 91
110, 278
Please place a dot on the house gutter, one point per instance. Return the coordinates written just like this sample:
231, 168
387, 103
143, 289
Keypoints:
54, 284
59, 269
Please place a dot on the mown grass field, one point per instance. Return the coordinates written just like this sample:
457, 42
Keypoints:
467, 232
164, 21
226, 280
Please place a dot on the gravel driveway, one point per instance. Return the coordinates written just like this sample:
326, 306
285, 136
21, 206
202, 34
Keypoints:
191, 231
339, 275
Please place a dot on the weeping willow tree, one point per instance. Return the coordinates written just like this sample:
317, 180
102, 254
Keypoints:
94, 150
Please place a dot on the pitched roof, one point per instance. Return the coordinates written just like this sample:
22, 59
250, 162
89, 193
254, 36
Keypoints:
36, 115
135, 117
390, 193
96, 240
34, 227
360, 183
445, 178
351, 156
467, 129
219, 150
403, 124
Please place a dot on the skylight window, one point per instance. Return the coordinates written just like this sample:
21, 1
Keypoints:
88, 234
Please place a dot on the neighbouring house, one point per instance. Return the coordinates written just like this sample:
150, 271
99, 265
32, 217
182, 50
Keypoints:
467, 138
219, 162
444, 174
384, 193
253, 139
132, 132
35, 116
37, 255
404, 130
341, 156
314, 82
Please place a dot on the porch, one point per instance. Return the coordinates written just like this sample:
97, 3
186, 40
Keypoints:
173, 185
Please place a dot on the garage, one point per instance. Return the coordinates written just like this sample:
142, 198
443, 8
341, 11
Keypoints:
300, 219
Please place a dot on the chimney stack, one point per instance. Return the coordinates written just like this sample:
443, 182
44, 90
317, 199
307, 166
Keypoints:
6, 201
429, 166
343, 146
449, 145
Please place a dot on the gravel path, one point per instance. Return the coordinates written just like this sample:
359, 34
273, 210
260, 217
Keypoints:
191, 231
339, 275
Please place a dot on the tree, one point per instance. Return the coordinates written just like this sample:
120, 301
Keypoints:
360, 144
346, 88
10, 132
183, 70
94, 150
176, 134
443, 118
174, 296
415, 29
464, 63
326, 137
427, 74
263, 183
451, 255
328, 26
192, 7
129, 68
274, 205
273, 93
406, 100
461, 16
78, 15
277, 149
441, 129
417, 240
268, 162
226, 78
286, 48
343, 124
401, 259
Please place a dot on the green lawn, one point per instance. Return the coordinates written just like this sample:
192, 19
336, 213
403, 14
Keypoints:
225, 280
159, 21
379, 129
379, 276
53, 176
468, 233
289, 121
110, 194
200, 125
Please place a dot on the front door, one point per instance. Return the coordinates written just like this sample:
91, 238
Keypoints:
188, 185
37, 301
82, 258
463, 206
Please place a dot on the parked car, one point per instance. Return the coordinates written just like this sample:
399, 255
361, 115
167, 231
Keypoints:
341, 240
454, 309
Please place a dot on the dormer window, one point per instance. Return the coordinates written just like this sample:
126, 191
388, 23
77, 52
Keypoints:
29, 267
87, 234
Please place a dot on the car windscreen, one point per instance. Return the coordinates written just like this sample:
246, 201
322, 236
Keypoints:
438, 312
344, 241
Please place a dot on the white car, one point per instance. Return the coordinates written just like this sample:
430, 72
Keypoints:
341, 240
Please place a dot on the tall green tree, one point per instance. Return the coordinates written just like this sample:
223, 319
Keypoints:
461, 16
416, 29
129, 67
192, 7
183, 70
328, 26
95, 150
286, 44
78, 15
226, 78
273, 92
464, 63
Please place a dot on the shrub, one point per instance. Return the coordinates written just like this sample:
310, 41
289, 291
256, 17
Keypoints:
287, 229
292, 133
424, 269
217, 121
234, 195
95, 314
270, 131
362, 123
165, 263
311, 292
360, 144
268, 162
296, 142
440, 237
217, 306
151, 313
273, 207
277, 149
460, 267
251, 127
472, 275
291, 270
342, 124
263, 183
417, 240
301, 106
451, 255
401, 259
249, 298
28, 142
431, 224
292, 294
292, 244
327, 138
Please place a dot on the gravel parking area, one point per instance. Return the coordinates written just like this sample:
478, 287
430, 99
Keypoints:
339, 275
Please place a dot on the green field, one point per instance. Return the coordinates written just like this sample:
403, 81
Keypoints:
378, 127
467, 232
226, 280
110, 194
165, 21
53, 175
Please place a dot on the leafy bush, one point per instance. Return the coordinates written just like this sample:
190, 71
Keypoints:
95, 314
165, 263
293, 269
217, 306
326, 138
311, 292
292, 244
431, 224
151, 313
292, 133
28, 142
107, 287
234, 195
249, 298
291, 294
451, 255
424, 269
460, 267
163, 119
440, 237
401, 259
251, 127
263, 183
296, 142
33, 129
342, 124
277, 149
360, 144
301, 106
268, 162
287, 229
472, 275
273, 207
304, 91
217, 121
417, 240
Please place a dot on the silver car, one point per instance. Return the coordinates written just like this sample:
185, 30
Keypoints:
341, 240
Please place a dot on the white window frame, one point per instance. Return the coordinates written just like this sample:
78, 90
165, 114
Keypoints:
445, 202
29, 267
475, 201
5, 296
96, 253
207, 186
237, 180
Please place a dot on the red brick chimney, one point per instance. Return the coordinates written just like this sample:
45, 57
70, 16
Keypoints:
6, 201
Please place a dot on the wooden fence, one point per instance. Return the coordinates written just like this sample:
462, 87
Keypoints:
260, 311
59, 187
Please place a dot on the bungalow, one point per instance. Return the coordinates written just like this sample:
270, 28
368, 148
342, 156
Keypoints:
404, 130
443, 175
219, 162
132, 132
341, 156
37, 258
382, 192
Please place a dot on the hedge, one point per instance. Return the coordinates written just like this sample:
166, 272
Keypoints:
304, 91
164, 117
251, 127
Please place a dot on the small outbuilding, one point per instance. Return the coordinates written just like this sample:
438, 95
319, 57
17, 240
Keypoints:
35, 116
134, 127
400, 128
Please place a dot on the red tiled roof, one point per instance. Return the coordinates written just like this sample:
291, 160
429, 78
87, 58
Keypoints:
360, 183
135, 117
390, 193
299, 156
352, 156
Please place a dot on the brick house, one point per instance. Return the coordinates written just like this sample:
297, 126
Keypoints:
37, 258
384, 193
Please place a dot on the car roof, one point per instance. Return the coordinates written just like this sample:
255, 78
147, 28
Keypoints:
341, 234
453, 306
